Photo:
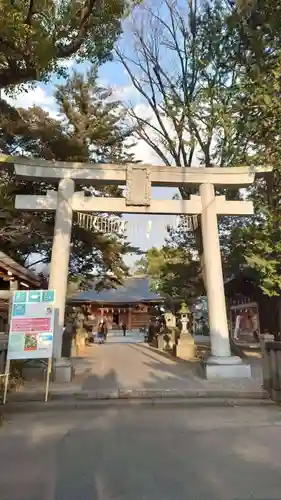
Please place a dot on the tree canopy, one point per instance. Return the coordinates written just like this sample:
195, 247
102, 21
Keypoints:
208, 76
37, 36
173, 272
209, 73
183, 64
89, 127
256, 246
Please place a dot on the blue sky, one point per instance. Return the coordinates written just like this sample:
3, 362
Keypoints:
138, 225
113, 74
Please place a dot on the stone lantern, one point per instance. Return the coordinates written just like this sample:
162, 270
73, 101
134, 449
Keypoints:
170, 319
184, 312
170, 336
186, 346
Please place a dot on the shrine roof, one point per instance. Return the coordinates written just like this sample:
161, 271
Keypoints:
134, 290
9, 267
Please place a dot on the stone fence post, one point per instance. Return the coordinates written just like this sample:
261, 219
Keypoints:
264, 338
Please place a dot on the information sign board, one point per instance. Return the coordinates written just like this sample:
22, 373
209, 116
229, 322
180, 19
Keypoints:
32, 325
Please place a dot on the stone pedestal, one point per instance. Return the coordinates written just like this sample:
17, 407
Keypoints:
266, 337
80, 341
169, 338
161, 342
226, 367
186, 348
62, 370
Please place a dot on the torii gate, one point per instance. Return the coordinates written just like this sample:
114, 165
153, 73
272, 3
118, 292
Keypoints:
139, 179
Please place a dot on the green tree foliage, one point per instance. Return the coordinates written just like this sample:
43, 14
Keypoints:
259, 56
186, 71
173, 273
36, 36
90, 127
150, 263
219, 104
256, 246
182, 62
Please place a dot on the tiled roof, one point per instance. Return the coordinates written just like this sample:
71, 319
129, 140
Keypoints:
134, 290
18, 270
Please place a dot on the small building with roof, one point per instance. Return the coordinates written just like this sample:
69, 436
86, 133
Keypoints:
13, 276
250, 310
132, 303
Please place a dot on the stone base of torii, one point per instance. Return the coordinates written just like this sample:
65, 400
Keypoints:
139, 179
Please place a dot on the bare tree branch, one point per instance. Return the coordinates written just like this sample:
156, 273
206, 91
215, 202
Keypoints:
181, 65
83, 26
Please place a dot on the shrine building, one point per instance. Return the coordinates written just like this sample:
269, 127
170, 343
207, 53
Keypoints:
132, 303
246, 300
13, 276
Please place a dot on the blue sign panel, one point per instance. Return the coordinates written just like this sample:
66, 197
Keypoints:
19, 310
48, 296
34, 296
20, 296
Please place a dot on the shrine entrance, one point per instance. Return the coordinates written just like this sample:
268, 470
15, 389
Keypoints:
138, 180
115, 320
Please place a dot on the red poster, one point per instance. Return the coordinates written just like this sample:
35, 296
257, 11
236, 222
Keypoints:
30, 325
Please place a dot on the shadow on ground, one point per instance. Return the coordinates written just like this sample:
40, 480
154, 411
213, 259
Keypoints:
149, 369
109, 368
141, 454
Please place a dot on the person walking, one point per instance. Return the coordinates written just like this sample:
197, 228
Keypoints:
102, 332
124, 328
152, 331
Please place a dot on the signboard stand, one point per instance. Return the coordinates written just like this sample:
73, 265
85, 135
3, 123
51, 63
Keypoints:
7, 373
7, 376
49, 370
31, 331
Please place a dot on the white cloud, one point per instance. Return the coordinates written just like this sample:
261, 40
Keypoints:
34, 97
144, 152
124, 92
30, 97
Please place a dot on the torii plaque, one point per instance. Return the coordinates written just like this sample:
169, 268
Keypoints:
139, 179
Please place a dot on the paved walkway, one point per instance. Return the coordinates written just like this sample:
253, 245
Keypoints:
126, 366
137, 366
117, 337
142, 454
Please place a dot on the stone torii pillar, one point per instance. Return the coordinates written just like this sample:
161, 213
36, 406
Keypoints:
60, 257
61, 203
221, 363
66, 200
139, 179
213, 272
